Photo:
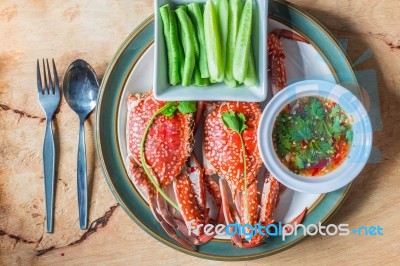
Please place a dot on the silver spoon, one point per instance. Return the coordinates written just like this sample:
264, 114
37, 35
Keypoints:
81, 87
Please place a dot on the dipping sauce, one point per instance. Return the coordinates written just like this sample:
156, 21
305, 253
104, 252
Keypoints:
312, 136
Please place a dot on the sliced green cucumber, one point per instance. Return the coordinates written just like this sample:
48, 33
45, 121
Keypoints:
235, 11
196, 15
251, 76
173, 64
242, 49
230, 82
188, 42
223, 18
175, 53
213, 42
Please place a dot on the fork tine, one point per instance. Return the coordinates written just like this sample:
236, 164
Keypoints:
46, 87
51, 88
56, 84
39, 78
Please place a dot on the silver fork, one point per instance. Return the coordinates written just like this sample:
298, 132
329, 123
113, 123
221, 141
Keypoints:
49, 97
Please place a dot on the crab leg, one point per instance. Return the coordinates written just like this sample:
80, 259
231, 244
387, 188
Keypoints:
288, 35
140, 180
276, 57
173, 218
269, 200
189, 192
186, 198
197, 180
215, 193
229, 213
227, 210
277, 63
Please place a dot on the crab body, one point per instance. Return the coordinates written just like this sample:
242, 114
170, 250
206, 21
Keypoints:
168, 154
223, 156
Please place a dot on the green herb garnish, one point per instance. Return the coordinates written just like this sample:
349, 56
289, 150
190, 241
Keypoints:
168, 110
185, 107
237, 122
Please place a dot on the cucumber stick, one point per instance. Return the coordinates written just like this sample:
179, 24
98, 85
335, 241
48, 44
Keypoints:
223, 18
213, 42
235, 11
196, 15
242, 49
189, 47
230, 82
172, 41
180, 48
198, 80
175, 53
251, 76
192, 31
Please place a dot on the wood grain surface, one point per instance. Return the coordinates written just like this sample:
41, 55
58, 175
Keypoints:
93, 30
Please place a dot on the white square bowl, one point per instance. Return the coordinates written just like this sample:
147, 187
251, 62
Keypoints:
216, 92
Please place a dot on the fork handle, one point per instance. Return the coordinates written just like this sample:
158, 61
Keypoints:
48, 168
82, 177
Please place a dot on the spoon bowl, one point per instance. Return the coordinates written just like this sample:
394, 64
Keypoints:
81, 87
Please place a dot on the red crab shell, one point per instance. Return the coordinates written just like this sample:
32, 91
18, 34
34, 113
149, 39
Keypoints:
169, 141
222, 146
223, 151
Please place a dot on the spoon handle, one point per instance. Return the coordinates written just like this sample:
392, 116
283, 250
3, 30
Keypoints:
82, 178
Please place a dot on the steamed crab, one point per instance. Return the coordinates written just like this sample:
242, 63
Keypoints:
163, 167
235, 158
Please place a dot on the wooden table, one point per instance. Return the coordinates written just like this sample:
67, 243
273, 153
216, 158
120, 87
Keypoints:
93, 30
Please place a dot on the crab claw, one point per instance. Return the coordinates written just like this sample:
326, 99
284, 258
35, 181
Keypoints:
277, 63
276, 57
231, 216
269, 199
229, 212
190, 192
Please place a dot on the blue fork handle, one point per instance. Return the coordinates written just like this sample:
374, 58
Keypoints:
48, 167
82, 178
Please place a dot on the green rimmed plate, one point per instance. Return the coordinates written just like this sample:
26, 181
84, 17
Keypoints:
131, 71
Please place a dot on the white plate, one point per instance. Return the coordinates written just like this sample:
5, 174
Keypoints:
303, 62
